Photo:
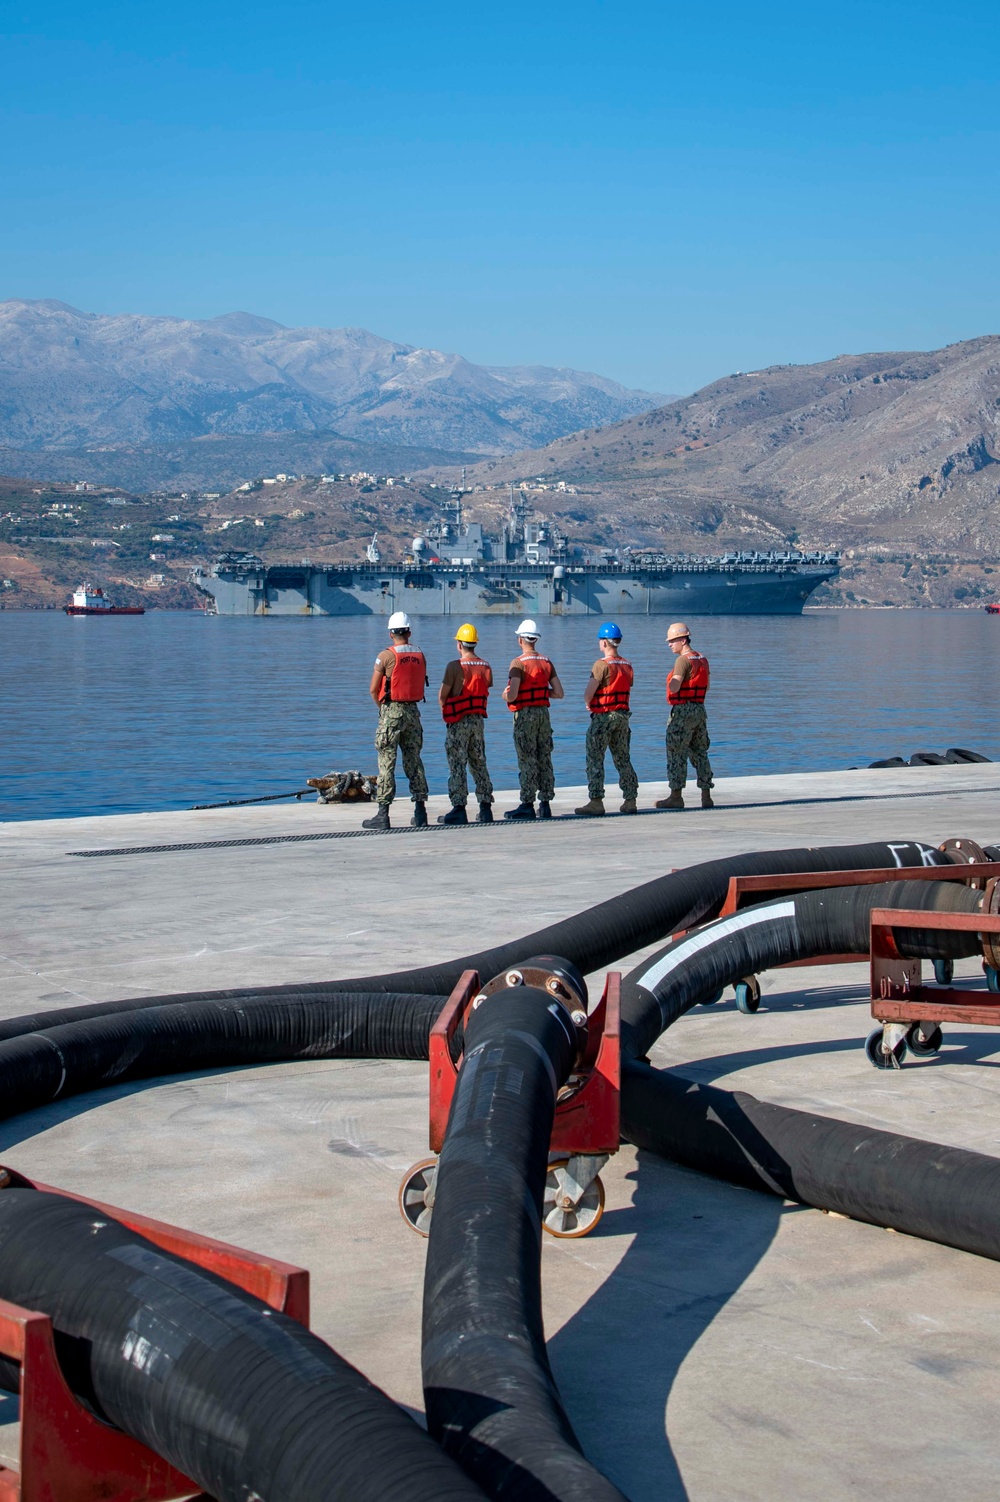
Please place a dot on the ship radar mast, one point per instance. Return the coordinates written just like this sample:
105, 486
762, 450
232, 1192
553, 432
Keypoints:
515, 534
455, 520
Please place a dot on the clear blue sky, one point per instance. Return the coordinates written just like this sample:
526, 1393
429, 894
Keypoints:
660, 193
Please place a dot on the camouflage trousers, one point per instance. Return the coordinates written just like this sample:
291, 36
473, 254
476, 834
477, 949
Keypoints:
533, 744
399, 726
465, 746
610, 732
687, 740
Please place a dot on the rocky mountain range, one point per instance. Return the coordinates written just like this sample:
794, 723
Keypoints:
75, 381
894, 458
875, 451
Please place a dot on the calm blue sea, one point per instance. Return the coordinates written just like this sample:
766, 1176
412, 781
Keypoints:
167, 710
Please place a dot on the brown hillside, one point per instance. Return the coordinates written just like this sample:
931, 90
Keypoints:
877, 450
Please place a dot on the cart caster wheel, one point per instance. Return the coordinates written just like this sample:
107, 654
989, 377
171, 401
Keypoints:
944, 972
416, 1195
992, 978
748, 995
709, 1001
923, 1045
564, 1219
877, 1055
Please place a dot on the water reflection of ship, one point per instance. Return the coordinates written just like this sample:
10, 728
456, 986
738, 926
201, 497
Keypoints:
455, 568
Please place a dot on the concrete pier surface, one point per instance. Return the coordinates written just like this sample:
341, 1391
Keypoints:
709, 1342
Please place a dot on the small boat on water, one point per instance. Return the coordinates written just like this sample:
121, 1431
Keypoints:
90, 601
993, 610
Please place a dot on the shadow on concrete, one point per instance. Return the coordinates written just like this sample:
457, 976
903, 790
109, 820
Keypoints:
813, 998
696, 1240
958, 1048
823, 998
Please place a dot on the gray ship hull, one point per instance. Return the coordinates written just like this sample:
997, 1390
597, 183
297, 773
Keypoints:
524, 590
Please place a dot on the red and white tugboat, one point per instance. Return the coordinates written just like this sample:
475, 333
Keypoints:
90, 601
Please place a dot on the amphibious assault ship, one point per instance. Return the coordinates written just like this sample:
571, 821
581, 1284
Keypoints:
528, 570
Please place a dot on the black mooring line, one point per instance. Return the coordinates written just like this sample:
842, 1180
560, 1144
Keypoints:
356, 834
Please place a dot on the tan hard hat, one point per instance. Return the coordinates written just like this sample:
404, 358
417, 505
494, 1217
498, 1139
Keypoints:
677, 629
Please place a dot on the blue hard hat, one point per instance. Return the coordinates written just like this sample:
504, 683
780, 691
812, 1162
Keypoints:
609, 632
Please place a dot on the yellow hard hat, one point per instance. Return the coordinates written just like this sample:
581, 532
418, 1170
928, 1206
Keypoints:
467, 633
677, 629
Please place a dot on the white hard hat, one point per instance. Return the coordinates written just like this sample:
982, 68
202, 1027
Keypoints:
528, 628
399, 621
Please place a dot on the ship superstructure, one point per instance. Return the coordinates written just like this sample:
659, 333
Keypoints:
456, 569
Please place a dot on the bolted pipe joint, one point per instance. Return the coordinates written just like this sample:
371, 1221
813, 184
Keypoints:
558, 978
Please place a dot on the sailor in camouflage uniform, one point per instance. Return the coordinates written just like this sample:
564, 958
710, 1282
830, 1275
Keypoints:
398, 683
687, 728
532, 682
463, 696
607, 697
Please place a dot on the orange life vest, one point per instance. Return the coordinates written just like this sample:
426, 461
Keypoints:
614, 693
695, 685
536, 675
474, 692
409, 678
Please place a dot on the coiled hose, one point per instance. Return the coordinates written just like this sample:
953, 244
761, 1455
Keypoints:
240, 1398
180, 1037
814, 923
490, 1394
940, 1193
488, 1388
592, 939
99, 1043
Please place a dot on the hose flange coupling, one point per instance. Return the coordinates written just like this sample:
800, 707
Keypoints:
962, 852
558, 978
991, 942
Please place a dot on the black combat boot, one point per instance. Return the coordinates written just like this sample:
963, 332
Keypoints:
522, 811
379, 820
456, 816
419, 820
485, 813
544, 812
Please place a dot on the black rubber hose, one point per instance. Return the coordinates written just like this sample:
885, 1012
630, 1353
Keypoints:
944, 1194
592, 939
600, 935
209, 1033
940, 1193
830, 921
490, 1396
240, 1398
322, 993
178, 1039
